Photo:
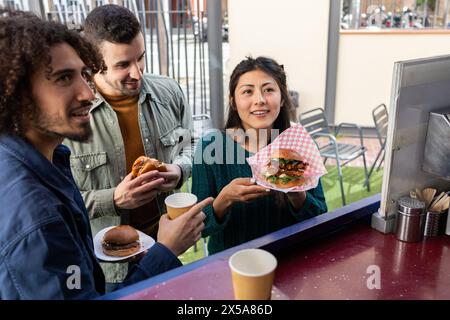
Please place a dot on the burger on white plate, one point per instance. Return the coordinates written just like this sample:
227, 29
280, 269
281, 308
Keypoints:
121, 241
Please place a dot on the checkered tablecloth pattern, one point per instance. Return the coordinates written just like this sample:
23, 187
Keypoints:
298, 139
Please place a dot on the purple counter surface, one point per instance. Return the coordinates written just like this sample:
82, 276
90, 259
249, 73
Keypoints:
334, 256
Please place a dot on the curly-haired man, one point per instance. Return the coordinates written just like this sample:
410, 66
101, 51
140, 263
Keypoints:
46, 248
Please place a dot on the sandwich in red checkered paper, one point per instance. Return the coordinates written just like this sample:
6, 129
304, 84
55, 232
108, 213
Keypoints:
290, 163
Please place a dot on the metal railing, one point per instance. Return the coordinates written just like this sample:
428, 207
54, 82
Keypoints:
174, 32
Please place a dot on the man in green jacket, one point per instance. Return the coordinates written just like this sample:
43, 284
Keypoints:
134, 114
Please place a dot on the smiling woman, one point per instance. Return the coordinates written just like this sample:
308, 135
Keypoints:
257, 99
242, 211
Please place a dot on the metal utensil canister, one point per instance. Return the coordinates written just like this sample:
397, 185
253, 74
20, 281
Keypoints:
410, 219
435, 223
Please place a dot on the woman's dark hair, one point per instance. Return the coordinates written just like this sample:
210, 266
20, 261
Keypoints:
25, 42
111, 23
273, 69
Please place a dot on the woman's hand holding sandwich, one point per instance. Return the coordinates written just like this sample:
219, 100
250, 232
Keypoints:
238, 190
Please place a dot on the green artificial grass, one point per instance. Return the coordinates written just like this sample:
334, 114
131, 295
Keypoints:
194, 253
353, 187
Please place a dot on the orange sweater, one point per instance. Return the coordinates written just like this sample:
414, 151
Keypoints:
146, 217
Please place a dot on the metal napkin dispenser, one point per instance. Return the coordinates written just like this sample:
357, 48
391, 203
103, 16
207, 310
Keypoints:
436, 159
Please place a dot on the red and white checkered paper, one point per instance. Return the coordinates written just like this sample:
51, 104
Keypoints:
298, 139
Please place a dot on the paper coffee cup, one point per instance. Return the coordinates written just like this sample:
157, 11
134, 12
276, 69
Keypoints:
179, 203
252, 272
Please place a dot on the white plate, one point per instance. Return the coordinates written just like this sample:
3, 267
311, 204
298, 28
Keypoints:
145, 241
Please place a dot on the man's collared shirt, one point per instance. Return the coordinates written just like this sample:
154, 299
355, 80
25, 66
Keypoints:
165, 122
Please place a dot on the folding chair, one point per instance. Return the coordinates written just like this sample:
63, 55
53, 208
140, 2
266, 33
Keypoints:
316, 124
380, 119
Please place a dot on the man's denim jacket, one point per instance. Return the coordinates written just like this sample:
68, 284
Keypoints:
46, 249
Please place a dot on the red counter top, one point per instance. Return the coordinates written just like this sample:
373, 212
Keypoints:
334, 267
